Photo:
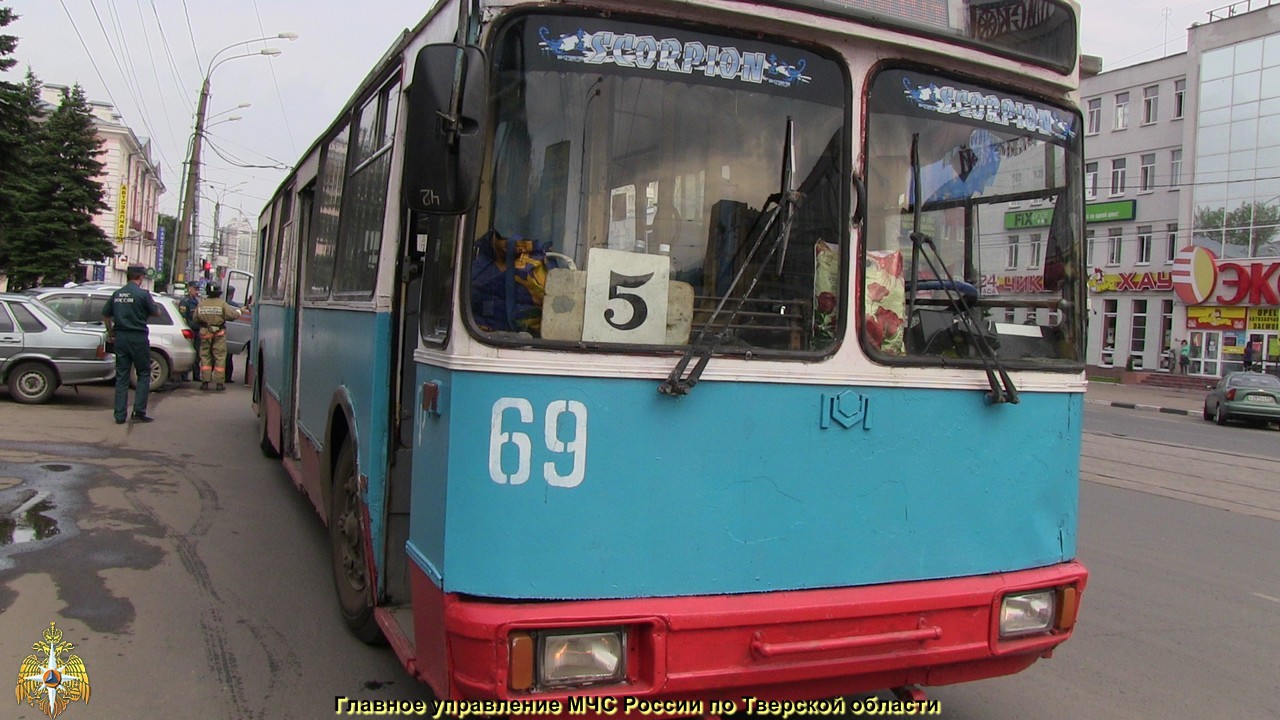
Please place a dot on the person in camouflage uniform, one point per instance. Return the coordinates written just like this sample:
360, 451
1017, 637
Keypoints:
212, 315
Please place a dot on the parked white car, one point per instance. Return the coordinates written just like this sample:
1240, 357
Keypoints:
171, 340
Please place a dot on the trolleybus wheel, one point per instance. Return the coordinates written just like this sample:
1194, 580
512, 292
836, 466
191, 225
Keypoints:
347, 543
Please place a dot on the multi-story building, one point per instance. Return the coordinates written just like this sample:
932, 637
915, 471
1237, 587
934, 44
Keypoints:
1182, 184
238, 244
1233, 62
1134, 177
131, 188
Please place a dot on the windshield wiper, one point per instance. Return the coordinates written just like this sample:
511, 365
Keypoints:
779, 209
1002, 389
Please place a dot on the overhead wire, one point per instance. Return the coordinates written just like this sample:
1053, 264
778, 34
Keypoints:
284, 115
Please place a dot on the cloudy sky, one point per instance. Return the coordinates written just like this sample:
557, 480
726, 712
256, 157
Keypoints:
147, 57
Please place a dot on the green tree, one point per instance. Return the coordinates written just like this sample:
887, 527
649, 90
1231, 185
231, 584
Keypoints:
19, 106
1249, 226
54, 231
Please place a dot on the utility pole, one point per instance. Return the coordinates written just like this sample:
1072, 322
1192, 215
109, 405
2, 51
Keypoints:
186, 244
218, 239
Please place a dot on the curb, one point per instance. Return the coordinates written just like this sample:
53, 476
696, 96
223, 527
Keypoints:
1137, 406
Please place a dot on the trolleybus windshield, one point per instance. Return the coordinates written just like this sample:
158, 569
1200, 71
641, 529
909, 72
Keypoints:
629, 165
986, 267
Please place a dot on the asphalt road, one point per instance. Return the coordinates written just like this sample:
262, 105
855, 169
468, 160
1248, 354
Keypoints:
194, 579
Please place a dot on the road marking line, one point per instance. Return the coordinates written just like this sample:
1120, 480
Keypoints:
1266, 597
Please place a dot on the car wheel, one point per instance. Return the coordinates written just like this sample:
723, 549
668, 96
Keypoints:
1221, 417
32, 383
159, 372
1207, 415
347, 545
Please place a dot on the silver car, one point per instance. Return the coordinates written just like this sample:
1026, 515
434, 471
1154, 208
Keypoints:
172, 351
40, 350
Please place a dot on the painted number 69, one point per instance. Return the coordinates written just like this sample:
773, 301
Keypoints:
511, 415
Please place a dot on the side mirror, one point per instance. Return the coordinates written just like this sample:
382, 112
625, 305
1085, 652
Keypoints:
443, 140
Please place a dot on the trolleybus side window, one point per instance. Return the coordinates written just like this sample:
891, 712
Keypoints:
936, 283
623, 200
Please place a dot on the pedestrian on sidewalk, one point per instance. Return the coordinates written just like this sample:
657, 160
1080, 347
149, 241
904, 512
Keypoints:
125, 316
1184, 358
1248, 356
1172, 359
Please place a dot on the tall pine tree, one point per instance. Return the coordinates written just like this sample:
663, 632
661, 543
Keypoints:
19, 106
54, 230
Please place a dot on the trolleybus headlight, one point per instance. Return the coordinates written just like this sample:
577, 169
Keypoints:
582, 658
1027, 613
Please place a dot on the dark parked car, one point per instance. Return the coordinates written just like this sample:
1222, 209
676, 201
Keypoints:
1244, 396
40, 350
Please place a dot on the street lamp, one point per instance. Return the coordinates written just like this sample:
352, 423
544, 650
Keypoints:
184, 241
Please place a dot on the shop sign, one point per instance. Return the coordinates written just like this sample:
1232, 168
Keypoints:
1129, 282
1041, 217
1216, 318
1110, 211
1198, 273
1264, 319
121, 206
1000, 284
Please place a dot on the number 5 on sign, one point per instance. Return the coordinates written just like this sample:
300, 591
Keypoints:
626, 297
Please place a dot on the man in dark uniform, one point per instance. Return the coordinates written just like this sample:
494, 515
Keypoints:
125, 315
187, 305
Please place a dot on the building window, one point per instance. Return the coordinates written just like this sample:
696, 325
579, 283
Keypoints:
1095, 117
1147, 173
1090, 180
1179, 98
1011, 260
1173, 242
1138, 332
1150, 104
1122, 111
1175, 169
1117, 176
1113, 246
1035, 251
1088, 248
1144, 245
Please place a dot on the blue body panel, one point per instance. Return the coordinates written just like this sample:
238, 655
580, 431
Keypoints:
344, 363
273, 333
738, 487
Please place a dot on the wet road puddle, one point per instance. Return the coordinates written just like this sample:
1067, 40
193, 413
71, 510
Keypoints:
31, 521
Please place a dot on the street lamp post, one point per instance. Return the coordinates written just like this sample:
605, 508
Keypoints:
184, 243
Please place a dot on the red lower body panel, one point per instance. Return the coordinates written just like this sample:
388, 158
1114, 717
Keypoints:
782, 645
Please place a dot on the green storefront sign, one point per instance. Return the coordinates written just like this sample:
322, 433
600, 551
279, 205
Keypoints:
1093, 213
1111, 211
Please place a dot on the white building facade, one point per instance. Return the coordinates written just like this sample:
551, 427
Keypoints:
1182, 183
1134, 176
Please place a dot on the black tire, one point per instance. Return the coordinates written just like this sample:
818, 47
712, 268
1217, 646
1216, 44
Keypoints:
1207, 415
32, 383
1221, 418
159, 372
347, 547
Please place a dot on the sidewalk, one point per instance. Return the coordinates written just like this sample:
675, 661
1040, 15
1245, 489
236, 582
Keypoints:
1143, 397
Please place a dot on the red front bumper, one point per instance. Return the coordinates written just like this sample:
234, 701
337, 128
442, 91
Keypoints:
784, 645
